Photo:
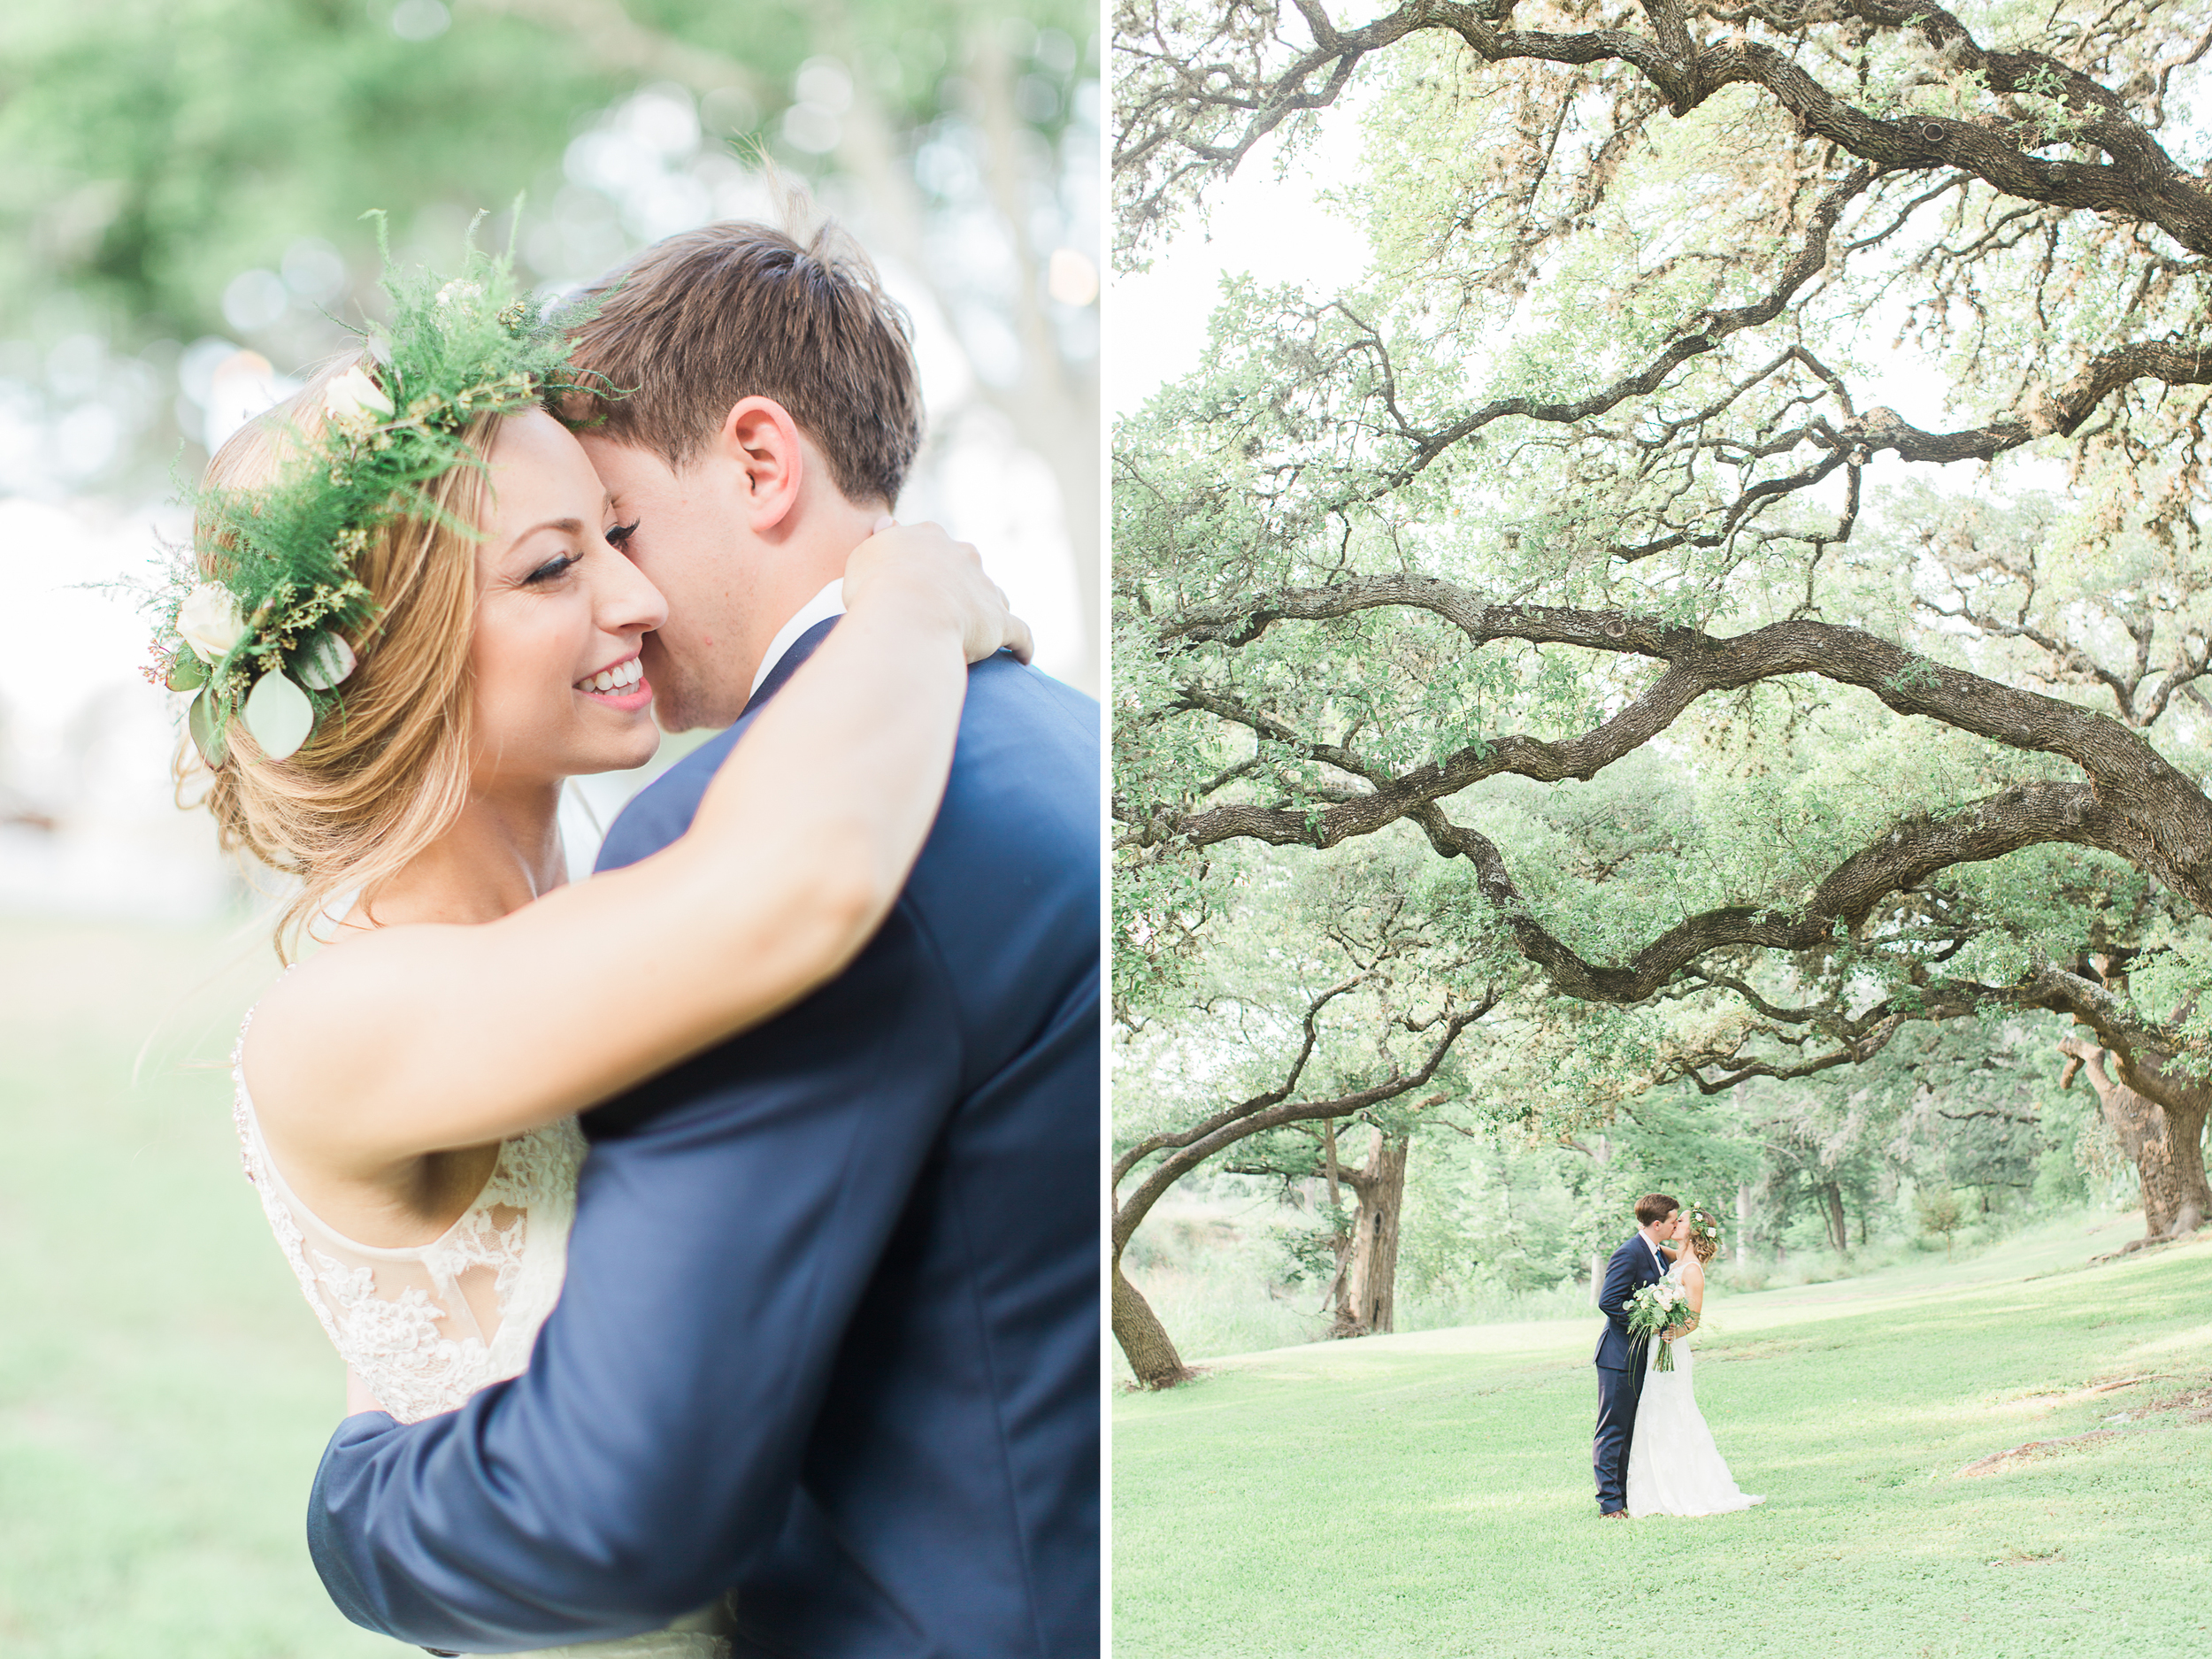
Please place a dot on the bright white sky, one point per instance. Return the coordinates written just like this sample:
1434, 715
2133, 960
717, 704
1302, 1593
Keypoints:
1276, 231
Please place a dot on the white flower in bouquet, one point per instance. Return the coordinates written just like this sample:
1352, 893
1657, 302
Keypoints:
1653, 1309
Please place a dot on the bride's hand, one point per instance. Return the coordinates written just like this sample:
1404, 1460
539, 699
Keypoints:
922, 571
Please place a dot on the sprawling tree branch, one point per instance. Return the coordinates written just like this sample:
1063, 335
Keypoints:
1309, 1036
1274, 1109
2160, 819
1705, 335
1217, 111
2025, 815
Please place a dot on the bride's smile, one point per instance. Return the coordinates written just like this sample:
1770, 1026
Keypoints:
620, 684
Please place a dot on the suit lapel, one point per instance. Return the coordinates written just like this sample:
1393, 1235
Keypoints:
802, 648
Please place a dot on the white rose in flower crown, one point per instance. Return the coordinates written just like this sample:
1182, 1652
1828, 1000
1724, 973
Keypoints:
354, 393
209, 622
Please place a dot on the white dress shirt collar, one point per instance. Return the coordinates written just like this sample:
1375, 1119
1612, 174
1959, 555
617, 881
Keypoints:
829, 602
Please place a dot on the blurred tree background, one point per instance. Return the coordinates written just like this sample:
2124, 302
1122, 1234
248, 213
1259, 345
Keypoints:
181, 214
182, 191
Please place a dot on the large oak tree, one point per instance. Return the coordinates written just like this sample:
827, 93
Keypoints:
1341, 996
1748, 521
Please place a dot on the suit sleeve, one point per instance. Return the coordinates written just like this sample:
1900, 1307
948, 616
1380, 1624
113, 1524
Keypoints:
731, 1215
1620, 1284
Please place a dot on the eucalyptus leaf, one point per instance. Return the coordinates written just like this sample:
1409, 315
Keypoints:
280, 716
323, 662
207, 734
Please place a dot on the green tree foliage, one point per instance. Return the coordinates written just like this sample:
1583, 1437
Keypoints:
1338, 996
1746, 523
156, 148
1939, 1214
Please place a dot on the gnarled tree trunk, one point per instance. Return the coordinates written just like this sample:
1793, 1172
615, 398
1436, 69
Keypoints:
1367, 1302
1136, 1327
1144, 1341
1831, 1212
2165, 1140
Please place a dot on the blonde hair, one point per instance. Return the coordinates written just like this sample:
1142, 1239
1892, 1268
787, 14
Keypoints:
387, 772
1704, 1236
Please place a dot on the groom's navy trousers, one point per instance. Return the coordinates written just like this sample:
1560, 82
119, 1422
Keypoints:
830, 1328
1620, 1362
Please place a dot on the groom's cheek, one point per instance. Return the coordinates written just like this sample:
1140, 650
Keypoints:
664, 673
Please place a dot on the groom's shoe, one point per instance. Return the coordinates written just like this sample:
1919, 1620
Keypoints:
1612, 1515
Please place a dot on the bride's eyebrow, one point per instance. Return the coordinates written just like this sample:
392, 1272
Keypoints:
567, 527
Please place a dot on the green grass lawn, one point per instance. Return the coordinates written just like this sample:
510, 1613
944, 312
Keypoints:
165, 1391
1430, 1494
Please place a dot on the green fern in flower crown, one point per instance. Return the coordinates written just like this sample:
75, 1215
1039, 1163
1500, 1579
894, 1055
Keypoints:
261, 619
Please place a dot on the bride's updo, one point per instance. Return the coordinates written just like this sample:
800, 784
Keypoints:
388, 773
1704, 1236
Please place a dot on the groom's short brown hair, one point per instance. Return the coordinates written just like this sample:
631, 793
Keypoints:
1655, 1206
744, 309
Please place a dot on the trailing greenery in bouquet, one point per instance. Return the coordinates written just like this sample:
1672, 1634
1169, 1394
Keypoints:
261, 619
1657, 1308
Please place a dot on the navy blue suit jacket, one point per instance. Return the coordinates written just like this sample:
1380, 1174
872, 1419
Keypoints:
1632, 1267
830, 1328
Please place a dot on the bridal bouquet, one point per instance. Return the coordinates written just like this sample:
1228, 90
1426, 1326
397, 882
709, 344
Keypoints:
1655, 1309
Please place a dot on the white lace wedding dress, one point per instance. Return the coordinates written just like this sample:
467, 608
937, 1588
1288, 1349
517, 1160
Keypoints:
1673, 1466
427, 1325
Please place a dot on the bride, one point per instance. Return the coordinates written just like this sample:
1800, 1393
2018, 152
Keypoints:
1673, 1466
411, 620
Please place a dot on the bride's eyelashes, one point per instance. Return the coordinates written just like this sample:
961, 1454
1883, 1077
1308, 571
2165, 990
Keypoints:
552, 569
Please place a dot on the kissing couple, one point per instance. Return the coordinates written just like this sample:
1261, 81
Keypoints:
1653, 1454
712, 1243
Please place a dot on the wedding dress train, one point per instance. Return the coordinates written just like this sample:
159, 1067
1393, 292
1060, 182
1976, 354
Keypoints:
426, 1325
1673, 1466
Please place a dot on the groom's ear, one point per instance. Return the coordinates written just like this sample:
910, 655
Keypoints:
762, 440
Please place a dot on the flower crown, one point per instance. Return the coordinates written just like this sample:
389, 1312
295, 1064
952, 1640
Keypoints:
1703, 1226
269, 638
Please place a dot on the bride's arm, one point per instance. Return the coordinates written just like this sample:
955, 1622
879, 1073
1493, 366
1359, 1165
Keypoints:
358, 1397
424, 1038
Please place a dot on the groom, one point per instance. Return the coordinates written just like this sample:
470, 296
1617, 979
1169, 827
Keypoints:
1620, 1357
829, 1338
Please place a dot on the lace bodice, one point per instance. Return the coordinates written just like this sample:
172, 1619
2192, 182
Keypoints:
427, 1325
